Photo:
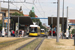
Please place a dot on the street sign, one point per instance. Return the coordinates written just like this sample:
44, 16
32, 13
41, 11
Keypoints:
5, 21
6, 18
16, 26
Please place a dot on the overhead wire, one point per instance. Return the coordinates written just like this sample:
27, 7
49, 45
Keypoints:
45, 20
26, 6
37, 8
42, 10
15, 5
23, 4
41, 6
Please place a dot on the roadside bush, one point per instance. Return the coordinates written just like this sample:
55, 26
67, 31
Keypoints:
73, 31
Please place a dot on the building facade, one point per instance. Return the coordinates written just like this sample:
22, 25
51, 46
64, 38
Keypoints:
5, 11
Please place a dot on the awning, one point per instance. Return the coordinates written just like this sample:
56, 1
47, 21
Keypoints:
22, 20
55, 20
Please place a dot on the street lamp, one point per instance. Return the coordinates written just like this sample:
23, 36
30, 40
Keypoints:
58, 12
63, 20
8, 19
67, 32
3, 32
0, 6
52, 26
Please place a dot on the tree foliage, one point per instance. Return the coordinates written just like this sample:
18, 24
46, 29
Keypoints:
32, 14
0, 25
17, 14
73, 31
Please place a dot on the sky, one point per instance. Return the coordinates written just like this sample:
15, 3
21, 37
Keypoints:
44, 8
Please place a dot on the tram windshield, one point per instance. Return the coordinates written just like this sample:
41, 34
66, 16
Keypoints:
42, 30
33, 29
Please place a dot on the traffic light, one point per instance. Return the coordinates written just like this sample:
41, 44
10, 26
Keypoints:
19, 24
51, 25
69, 27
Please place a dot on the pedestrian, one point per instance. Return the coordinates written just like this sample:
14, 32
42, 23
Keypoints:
3, 33
71, 36
13, 33
20, 33
0, 34
24, 32
17, 33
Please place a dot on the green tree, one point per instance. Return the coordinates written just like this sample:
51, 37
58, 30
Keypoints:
0, 25
73, 31
32, 14
41, 26
17, 14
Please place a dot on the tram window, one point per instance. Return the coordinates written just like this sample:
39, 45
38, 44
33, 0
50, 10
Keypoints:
33, 29
42, 30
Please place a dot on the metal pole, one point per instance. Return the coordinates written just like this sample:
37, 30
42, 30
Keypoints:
74, 40
58, 11
67, 25
63, 20
52, 27
3, 20
8, 18
0, 6
18, 25
3, 32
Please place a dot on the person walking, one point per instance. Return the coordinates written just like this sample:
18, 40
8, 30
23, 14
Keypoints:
71, 36
13, 33
22, 33
0, 34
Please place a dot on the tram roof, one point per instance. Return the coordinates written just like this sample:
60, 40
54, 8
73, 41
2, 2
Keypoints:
34, 26
22, 20
42, 29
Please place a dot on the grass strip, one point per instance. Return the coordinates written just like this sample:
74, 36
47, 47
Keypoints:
9, 41
5, 39
32, 45
12, 42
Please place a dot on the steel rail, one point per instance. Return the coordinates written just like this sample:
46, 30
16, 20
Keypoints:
37, 47
25, 44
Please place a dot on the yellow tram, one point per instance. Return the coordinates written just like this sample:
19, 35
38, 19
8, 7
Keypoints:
34, 30
43, 32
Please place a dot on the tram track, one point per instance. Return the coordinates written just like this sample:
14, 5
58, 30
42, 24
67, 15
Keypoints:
39, 44
4, 44
25, 45
8, 41
32, 43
